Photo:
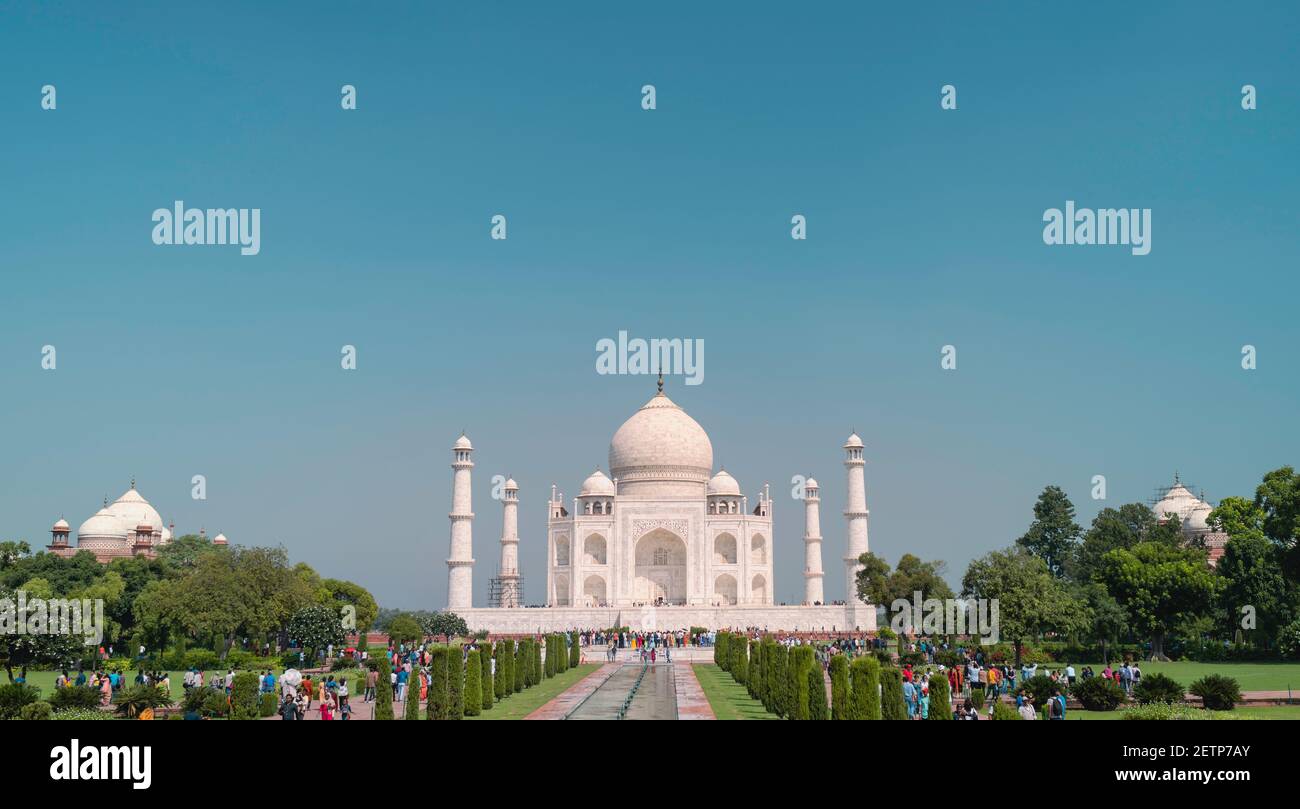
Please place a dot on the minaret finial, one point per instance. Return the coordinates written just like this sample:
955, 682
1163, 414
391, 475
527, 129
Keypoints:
1176, 479
661, 381
133, 481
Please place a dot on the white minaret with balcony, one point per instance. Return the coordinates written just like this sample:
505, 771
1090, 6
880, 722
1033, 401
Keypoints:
856, 516
812, 544
509, 574
460, 560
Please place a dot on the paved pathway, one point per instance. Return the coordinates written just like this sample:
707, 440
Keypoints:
691, 702
567, 700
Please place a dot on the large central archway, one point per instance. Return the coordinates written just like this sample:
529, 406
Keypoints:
660, 568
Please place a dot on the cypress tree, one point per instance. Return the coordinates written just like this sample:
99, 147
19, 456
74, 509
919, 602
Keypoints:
755, 676
780, 689
817, 692
864, 696
549, 664
940, 705
473, 684
517, 666
770, 674
840, 687
536, 666
384, 690
455, 682
502, 656
739, 647
439, 700
575, 651
891, 694
797, 683
411, 710
488, 686
721, 652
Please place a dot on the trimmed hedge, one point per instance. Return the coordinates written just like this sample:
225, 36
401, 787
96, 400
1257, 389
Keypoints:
738, 647
455, 682
1002, 710
754, 682
1218, 692
487, 688
840, 687
384, 690
940, 702
891, 694
801, 657
864, 693
817, 710
439, 700
473, 696
575, 652
243, 695
536, 665
517, 666
721, 652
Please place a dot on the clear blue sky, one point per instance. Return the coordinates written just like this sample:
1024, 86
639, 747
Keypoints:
924, 229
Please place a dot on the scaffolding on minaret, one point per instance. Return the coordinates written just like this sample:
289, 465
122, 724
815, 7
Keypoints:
506, 591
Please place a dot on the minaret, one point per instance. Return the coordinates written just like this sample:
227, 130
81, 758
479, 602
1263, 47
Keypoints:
812, 544
460, 560
510, 545
856, 515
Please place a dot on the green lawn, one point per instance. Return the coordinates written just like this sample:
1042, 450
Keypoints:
45, 680
1251, 676
517, 706
1251, 712
728, 698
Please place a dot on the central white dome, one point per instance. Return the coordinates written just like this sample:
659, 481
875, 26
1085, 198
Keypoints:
660, 451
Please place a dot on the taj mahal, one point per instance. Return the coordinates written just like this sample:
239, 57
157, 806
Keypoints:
661, 542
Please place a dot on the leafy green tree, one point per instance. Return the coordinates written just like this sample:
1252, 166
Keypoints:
448, 624
30, 650
473, 684
1256, 594
1106, 619
406, 630
1159, 585
343, 594
1111, 529
877, 585
316, 628
1030, 600
1053, 536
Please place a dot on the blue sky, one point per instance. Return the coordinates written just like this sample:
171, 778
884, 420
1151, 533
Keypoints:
924, 229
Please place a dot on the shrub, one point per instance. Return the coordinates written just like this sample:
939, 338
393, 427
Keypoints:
384, 689
485, 667
473, 684
1218, 692
215, 704
1098, 694
74, 697
267, 705
817, 693
455, 682
977, 698
244, 695
36, 711
133, 701
411, 706
721, 651
840, 687
499, 672
519, 665
342, 663
79, 714
13, 696
1041, 688
1158, 688
201, 659
864, 692
891, 694
1002, 710
536, 666
550, 670
1164, 711
575, 651
439, 701
771, 680
754, 677
1288, 641
940, 703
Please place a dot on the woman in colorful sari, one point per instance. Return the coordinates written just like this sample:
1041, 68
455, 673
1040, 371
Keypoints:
105, 691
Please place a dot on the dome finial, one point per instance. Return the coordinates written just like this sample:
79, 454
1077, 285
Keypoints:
133, 481
661, 381
1176, 479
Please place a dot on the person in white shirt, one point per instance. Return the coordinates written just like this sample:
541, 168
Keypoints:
1027, 710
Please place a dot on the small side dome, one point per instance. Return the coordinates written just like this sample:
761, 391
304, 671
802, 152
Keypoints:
219, 539
854, 442
597, 485
511, 486
61, 525
462, 443
811, 483
723, 484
